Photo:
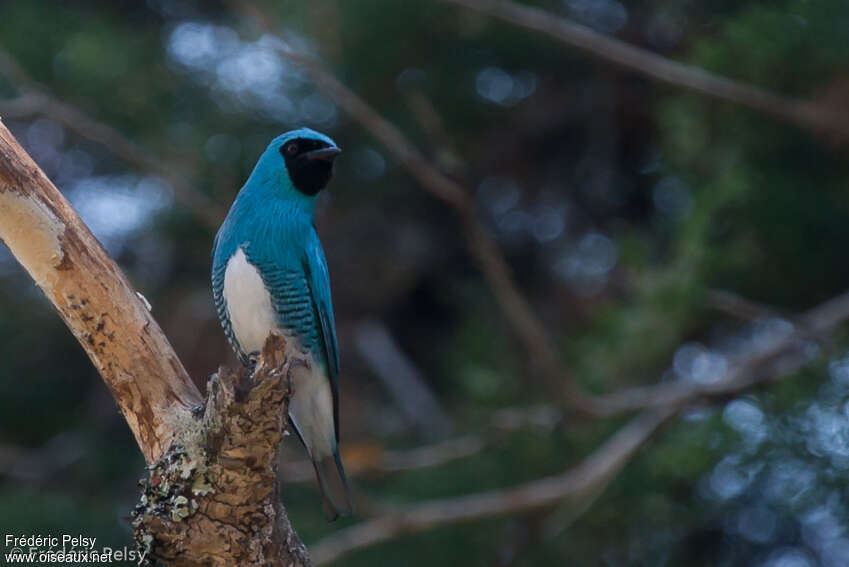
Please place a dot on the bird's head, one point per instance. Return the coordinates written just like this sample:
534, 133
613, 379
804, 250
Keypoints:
300, 161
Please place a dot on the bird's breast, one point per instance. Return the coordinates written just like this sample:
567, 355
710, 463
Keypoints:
249, 305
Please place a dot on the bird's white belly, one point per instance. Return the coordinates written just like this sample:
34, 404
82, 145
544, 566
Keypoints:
249, 306
252, 318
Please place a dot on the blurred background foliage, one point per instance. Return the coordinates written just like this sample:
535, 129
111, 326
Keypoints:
619, 203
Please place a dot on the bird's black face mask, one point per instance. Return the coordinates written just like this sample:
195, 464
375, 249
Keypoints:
309, 163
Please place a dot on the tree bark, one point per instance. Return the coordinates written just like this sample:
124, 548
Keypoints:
211, 494
213, 500
95, 300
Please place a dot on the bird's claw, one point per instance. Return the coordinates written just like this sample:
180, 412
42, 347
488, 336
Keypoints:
253, 359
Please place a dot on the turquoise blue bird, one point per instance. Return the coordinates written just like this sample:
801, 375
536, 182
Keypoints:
269, 273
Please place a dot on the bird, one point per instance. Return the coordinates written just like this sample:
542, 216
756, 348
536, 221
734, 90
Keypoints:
269, 273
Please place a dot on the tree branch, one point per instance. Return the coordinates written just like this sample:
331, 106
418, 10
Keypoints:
95, 300
373, 460
756, 367
658, 403
737, 306
808, 115
413, 397
213, 500
362, 461
545, 492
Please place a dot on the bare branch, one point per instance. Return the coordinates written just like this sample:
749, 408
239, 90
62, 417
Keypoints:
35, 99
606, 461
362, 461
95, 300
380, 462
446, 154
413, 397
37, 465
808, 115
780, 358
658, 403
737, 306
10, 67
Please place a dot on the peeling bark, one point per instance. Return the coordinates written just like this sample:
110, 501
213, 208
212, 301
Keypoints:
95, 301
211, 495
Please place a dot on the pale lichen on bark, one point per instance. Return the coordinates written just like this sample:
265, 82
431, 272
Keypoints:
213, 498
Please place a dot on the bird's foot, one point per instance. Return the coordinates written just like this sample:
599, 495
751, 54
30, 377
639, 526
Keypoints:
253, 359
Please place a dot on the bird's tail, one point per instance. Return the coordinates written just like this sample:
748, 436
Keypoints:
335, 497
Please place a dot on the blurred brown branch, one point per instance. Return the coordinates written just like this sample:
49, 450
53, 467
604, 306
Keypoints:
737, 306
372, 460
366, 460
597, 468
446, 154
412, 395
755, 367
658, 403
485, 252
808, 115
36, 99
40, 464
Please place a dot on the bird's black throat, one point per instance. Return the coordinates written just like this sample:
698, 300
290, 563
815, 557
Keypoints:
309, 174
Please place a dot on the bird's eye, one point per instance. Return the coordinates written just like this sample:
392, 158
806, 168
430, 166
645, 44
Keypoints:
292, 150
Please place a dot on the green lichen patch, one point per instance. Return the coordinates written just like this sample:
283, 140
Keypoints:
169, 494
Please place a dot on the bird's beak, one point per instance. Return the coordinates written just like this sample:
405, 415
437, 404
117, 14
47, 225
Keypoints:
326, 154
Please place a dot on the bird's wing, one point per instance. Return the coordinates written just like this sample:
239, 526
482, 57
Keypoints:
319, 283
219, 268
